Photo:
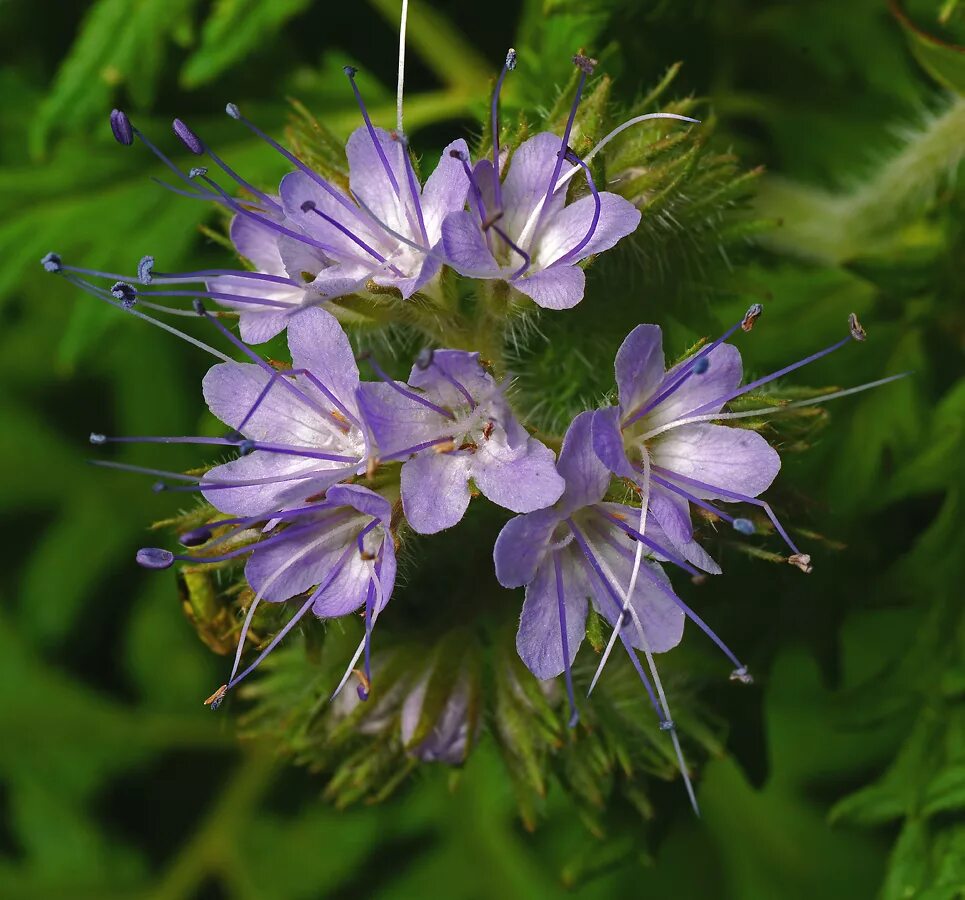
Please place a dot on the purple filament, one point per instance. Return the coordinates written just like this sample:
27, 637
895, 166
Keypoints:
235, 113
508, 66
706, 407
309, 206
573, 254
686, 370
733, 496
414, 190
564, 640
412, 395
611, 593
408, 451
647, 542
350, 72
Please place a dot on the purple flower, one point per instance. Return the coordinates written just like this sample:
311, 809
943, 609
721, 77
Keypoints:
662, 434
521, 229
452, 733
300, 429
387, 230
339, 552
581, 551
452, 425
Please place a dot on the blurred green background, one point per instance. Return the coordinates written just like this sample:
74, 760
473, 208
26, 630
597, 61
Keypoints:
844, 775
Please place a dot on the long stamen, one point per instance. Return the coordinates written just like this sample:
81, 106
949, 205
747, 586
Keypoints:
363, 691
516, 249
692, 365
413, 188
856, 330
405, 392
149, 556
388, 229
586, 66
199, 148
233, 204
309, 206
458, 385
573, 253
733, 496
241, 345
107, 298
564, 640
641, 538
744, 526
351, 71
408, 451
508, 66
206, 274
611, 594
220, 295
771, 410
232, 110
244, 444
206, 486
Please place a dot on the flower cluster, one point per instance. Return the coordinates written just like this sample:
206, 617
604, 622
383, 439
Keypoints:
331, 472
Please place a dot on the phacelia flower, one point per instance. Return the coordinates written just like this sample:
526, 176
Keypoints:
450, 733
520, 229
582, 550
661, 434
452, 425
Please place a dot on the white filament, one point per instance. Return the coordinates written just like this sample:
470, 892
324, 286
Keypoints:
398, 98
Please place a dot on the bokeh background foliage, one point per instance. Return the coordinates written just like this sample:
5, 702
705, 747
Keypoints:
843, 773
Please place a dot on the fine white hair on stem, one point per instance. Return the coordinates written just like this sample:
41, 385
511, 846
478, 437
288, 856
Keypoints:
398, 96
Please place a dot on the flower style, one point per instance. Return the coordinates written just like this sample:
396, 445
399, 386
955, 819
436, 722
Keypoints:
452, 425
521, 230
580, 550
662, 435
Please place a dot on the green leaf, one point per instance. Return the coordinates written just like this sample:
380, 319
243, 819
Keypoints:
232, 30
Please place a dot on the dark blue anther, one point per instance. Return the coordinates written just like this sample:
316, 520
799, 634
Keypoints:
145, 269
195, 537
121, 127
701, 366
51, 262
744, 526
124, 292
188, 137
154, 558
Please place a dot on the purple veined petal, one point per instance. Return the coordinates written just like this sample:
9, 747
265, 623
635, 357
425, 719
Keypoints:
522, 545
465, 247
639, 367
435, 490
318, 343
369, 181
690, 551
301, 262
445, 190
733, 459
425, 272
231, 390
397, 422
720, 379
538, 640
522, 480
672, 513
256, 327
608, 442
257, 244
585, 475
618, 218
349, 588
295, 480
337, 281
362, 499
661, 618
450, 366
289, 567
561, 287
484, 174
530, 170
